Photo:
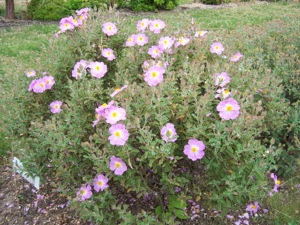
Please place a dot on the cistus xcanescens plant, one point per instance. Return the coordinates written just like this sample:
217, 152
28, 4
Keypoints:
163, 130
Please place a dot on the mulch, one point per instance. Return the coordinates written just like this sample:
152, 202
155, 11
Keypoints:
22, 204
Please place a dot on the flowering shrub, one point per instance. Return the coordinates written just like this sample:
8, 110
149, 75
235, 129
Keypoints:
167, 135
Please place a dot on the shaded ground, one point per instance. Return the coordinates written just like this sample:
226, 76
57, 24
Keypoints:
20, 203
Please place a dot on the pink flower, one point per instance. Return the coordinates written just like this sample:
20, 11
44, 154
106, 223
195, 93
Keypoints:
222, 79
114, 114
119, 135
79, 69
141, 39
223, 93
83, 13
155, 52
154, 75
38, 86
66, 24
236, 57
55, 107
108, 53
165, 43
156, 26
84, 193
253, 208
98, 69
276, 182
143, 24
131, 41
32, 84
118, 90
182, 41
76, 22
229, 109
194, 149
49, 80
109, 28
117, 165
100, 183
217, 48
168, 133
31, 73
200, 33
100, 111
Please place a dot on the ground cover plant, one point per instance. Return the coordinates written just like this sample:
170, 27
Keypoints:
161, 170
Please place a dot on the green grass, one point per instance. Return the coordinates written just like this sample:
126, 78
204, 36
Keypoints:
244, 15
285, 205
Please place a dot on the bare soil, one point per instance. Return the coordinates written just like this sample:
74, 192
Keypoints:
21, 203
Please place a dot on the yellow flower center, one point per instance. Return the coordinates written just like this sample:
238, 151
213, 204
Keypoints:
97, 68
278, 182
156, 25
143, 24
56, 106
180, 40
154, 74
217, 47
194, 149
108, 53
81, 17
104, 104
99, 183
118, 165
169, 133
83, 192
66, 24
117, 89
140, 38
226, 92
221, 78
74, 21
229, 108
117, 133
42, 84
130, 39
253, 206
156, 51
109, 28
114, 114
166, 42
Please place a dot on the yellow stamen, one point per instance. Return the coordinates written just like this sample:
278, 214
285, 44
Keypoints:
99, 183
114, 114
97, 68
226, 92
117, 134
118, 165
154, 74
278, 182
194, 149
229, 108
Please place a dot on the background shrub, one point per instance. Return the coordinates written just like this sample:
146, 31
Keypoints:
148, 5
47, 9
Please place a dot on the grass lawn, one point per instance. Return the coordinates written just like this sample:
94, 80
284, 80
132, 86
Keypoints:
20, 49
